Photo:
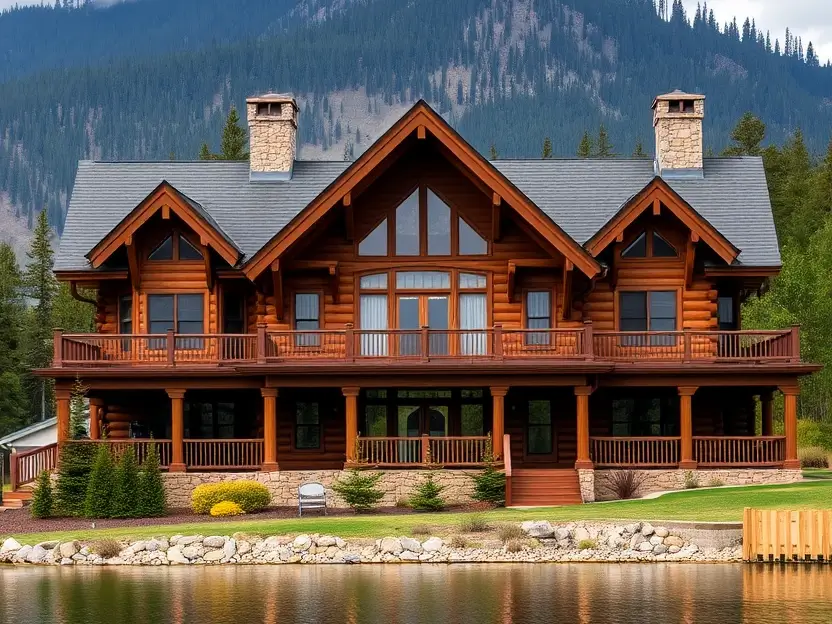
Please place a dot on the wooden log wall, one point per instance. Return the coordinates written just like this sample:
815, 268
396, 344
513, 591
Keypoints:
331, 408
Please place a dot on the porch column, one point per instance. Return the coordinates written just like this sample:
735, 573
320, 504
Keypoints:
790, 394
62, 398
583, 460
351, 396
767, 410
269, 429
498, 425
686, 460
95, 418
177, 430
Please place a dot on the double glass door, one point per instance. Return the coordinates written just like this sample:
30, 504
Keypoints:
419, 420
417, 311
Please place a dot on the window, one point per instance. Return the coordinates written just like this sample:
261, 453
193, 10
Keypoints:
649, 244
653, 311
376, 242
234, 313
161, 313
538, 316
661, 248
188, 251
175, 247
407, 226
422, 280
725, 313
164, 251
470, 243
181, 313
125, 314
645, 416
439, 226
307, 318
539, 430
307, 425
636, 249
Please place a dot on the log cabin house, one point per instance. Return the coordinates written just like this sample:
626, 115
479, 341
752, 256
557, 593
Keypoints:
406, 308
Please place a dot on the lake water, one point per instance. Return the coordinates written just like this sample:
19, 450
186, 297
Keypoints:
404, 594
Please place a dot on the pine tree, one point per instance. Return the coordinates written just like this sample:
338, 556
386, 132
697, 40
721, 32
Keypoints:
639, 152
77, 411
748, 136
492, 153
124, 503
13, 400
41, 286
205, 153
547, 147
73, 315
74, 467
152, 499
234, 138
97, 503
585, 146
605, 148
43, 503
428, 495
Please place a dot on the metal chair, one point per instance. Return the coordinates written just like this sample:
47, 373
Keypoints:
311, 496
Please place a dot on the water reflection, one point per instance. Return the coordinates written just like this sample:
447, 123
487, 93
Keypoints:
405, 594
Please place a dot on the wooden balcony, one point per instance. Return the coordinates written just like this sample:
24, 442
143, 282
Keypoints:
708, 451
412, 452
497, 344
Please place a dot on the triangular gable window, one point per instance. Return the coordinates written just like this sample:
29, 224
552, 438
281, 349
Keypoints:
188, 251
661, 248
164, 251
375, 244
636, 249
470, 243
407, 226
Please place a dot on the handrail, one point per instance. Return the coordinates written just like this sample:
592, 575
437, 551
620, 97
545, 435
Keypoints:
25, 467
422, 450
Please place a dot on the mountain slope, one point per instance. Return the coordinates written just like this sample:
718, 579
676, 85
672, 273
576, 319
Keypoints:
505, 72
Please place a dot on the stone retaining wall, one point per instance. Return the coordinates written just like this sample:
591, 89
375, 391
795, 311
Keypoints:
283, 484
663, 480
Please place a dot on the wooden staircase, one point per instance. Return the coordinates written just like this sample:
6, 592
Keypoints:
542, 487
17, 499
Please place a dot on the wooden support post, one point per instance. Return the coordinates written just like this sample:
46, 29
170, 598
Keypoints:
261, 343
425, 448
498, 426
589, 341
62, 399
177, 430
583, 460
269, 429
795, 343
170, 343
498, 341
790, 394
686, 460
351, 396
767, 413
96, 409
57, 348
349, 342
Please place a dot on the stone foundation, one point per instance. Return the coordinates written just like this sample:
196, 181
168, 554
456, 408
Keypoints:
586, 479
283, 485
663, 480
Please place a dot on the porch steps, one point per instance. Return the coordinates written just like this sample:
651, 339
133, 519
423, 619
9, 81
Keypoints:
541, 487
16, 500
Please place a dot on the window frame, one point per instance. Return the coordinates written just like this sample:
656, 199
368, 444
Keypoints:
194, 343
668, 422
529, 339
296, 426
308, 340
540, 456
649, 255
175, 234
224, 311
678, 297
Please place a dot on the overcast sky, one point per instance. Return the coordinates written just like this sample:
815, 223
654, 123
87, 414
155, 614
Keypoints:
809, 19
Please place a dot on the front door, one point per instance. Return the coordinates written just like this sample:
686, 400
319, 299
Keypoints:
418, 420
417, 311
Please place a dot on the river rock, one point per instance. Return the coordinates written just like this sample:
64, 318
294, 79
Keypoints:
645, 546
24, 551
673, 549
213, 555
187, 540
325, 541
538, 528
581, 534
659, 549
10, 545
662, 532
408, 556
561, 534
632, 528
229, 549
37, 554
68, 549
647, 529
411, 544
214, 541
636, 540
191, 552
674, 540
243, 547
340, 543
656, 540
390, 545
302, 543
615, 541
67, 561
432, 544
138, 546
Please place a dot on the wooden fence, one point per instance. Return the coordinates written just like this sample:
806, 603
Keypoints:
779, 535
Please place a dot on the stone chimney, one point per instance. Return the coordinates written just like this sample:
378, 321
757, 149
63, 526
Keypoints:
273, 130
677, 119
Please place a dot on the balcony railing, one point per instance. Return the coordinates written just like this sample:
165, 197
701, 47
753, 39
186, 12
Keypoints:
708, 451
422, 345
444, 451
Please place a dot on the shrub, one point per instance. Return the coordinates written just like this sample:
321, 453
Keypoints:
402, 503
125, 499
624, 484
814, 433
359, 489
490, 483
74, 467
514, 545
714, 482
508, 532
42, 502
428, 495
251, 496
100, 486
107, 548
420, 529
813, 457
691, 480
77, 411
458, 541
473, 523
226, 508
152, 499
587, 544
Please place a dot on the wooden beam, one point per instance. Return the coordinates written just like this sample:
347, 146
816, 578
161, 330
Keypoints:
209, 270
277, 283
496, 215
566, 313
512, 269
694, 236
690, 258
133, 265
537, 263
165, 212
657, 207
421, 132
620, 237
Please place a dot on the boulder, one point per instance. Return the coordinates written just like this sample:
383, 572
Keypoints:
561, 534
68, 549
67, 561
390, 545
214, 555
615, 541
214, 541
632, 528
37, 554
187, 540
636, 540
645, 547
302, 543
662, 532
656, 540
408, 556
411, 544
538, 528
340, 543
24, 551
325, 541
49, 545
191, 552
138, 547
10, 545
647, 529
230, 548
176, 556
673, 549
581, 534
660, 549
432, 544
674, 540
243, 547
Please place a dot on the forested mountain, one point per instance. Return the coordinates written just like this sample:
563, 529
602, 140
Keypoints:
155, 78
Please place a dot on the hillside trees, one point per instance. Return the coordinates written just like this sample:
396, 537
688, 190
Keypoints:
13, 399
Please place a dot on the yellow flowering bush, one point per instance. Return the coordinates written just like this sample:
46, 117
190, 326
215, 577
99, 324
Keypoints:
249, 495
226, 508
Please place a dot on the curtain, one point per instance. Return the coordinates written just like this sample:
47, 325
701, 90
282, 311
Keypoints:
472, 315
373, 316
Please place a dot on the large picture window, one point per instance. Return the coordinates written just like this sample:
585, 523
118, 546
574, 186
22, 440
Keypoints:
654, 311
183, 313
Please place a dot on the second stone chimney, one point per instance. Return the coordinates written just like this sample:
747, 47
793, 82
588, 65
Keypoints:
272, 130
677, 120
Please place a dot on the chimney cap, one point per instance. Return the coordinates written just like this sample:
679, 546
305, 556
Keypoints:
272, 97
677, 94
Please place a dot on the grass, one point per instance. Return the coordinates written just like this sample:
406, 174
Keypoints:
720, 505
7, 487
817, 473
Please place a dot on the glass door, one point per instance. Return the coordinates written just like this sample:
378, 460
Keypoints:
417, 311
409, 319
437, 319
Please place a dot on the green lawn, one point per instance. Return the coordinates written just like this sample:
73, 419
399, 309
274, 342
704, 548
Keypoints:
817, 473
703, 505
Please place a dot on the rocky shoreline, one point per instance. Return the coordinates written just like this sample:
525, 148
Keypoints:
540, 542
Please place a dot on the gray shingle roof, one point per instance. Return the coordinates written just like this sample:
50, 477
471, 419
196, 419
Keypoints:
579, 195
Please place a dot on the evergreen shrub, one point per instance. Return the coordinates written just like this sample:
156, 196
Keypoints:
490, 483
125, 499
42, 501
74, 467
359, 489
428, 495
251, 496
152, 501
101, 485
